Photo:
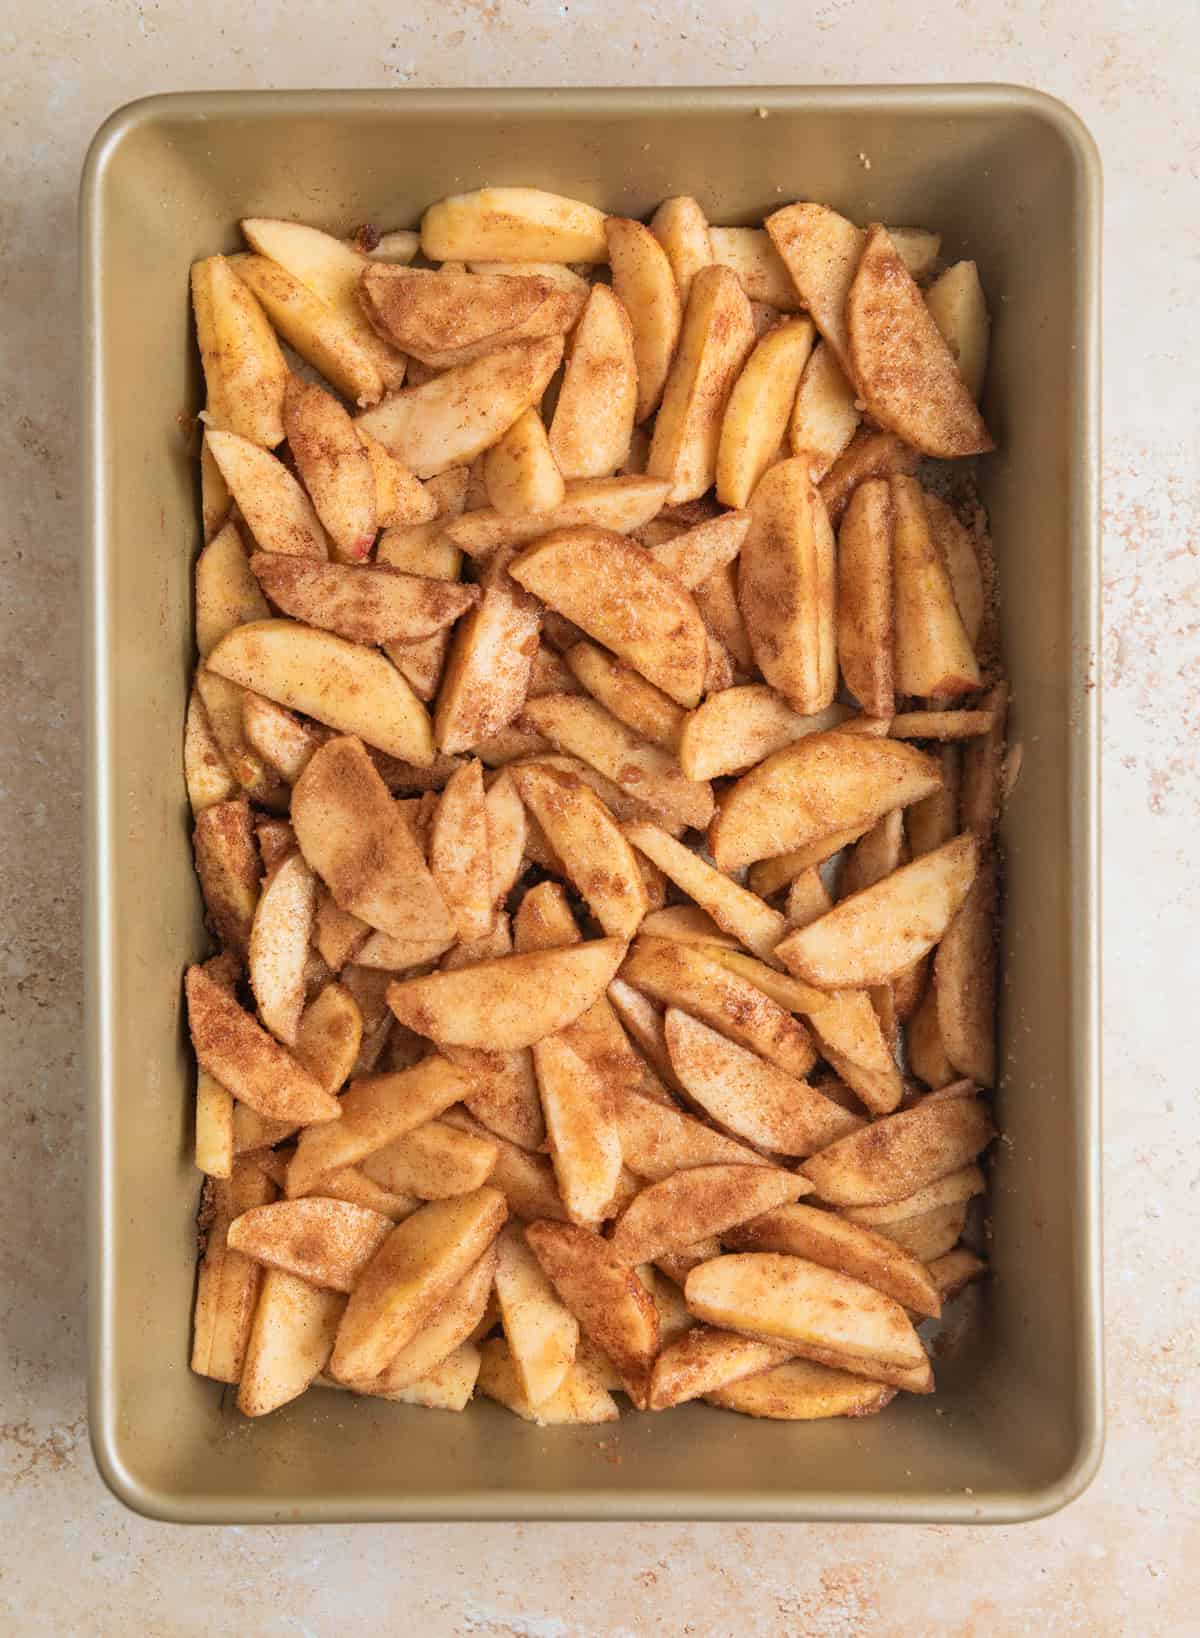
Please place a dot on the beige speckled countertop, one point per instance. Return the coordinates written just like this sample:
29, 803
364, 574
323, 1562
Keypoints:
1123, 1560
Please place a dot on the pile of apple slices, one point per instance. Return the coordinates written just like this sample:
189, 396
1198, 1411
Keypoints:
596, 752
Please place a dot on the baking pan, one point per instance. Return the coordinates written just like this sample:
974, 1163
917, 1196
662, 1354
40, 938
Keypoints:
1010, 178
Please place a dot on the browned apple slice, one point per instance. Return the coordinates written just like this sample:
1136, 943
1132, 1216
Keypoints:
364, 604
326, 1242
865, 622
357, 840
459, 855
334, 466
956, 1270
489, 664
411, 1274
230, 872
611, 1304
446, 318
900, 1154
621, 690
822, 786
750, 1097
244, 369
821, 251
802, 1391
704, 1360
824, 1237
869, 454
277, 511
704, 1200
873, 936
329, 1036
236, 1051
902, 367
982, 766
964, 970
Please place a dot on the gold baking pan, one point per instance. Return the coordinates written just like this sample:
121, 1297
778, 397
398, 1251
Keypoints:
1010, 178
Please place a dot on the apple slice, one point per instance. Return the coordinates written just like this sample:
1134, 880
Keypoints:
956, 1270
559, 275
329, 1036
786, 587
290, 1341
433, 1162
229, 869
866, 640
873, 936
688, 924
334, 466
357, 840
464, 410
964, 973
716, 339
541, 1332
896, 1156
869, 454
704, 1360
739, 727
685, 976
681, 228
520, 471
459, 856
758, 265
824, 1237
620, 504
982, 767
594, 413
214, 1148
489, 664
585, 1144
351, 688
756, 417
324, 336
215, 499
227, 594
588, 841
702, 1201
511, 1002
823, 786
645, 285
579, 1400
958, 307
410, 1276
513, 225
325, 1242
933, 654
279, 946
207, 774
526, 1180
825, 413
802, 1391
241, 1055
929, 1234
621, 690
821, 252
791, 1300
277, 511
447, 1329
737, 911
694, 555
244, 369
228, 1282
612, 1305
904, 371
749, 1097
449, 318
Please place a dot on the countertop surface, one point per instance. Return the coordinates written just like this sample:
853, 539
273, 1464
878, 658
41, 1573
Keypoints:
1125, 1559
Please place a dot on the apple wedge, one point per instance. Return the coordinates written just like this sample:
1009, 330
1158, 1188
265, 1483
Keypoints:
230, 873
786, 587
807, 898
982, 765
613, 1307
869, 454
749, 1097
597, 400
513, 225
767, 876
328, 1243
505, 815
821, 252
520, 471
463, 411
411, 1275
956, 1270
376, 1111
694, 555
276, 509
446, 1330
717, 601
658, 1140
541, 1332
694, 1204
903, 369
460, 855
824, 414
688, 924
933, 654
866, 640
236, 1051
588, 841
511, 1002
739, 727
329, 1036
332, 270
584, 1140
278, 736
579, 1400
644, 283
227, 594
930, 1234
964, 982
346, 686
900, 1154
620, 504
716, 339
737, 911
748, 251
228, 1282
561, 276
449, 318
791, 1300
958, 307
681, 228
823, 786
214, 1146
279, 946
334, 466
489, 664
215, 499
358, 841
525, 1179
756, 417
802, 1391
615, 592
337, 344
434, 1162
621, 690
206, 773
223, 701
685, 976
244, 369
449, 1386
704, 1360
823, 1237
873, 936
933, 821
956, 547
401, 500
290, 1341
